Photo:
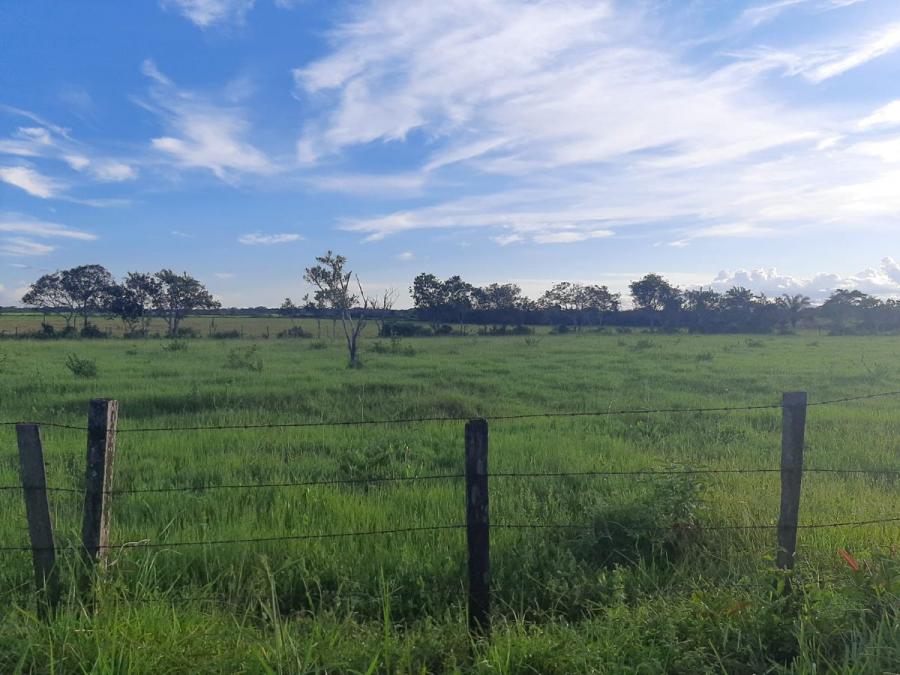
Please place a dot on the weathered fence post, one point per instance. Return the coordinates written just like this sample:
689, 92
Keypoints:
478, 527
793, 426
37, 510
101, 452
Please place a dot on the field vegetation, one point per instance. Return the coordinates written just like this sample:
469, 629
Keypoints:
652, 587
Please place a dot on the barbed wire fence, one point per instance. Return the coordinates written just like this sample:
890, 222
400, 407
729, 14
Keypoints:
99, 491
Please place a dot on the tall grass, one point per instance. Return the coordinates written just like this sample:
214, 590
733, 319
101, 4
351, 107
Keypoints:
656, 593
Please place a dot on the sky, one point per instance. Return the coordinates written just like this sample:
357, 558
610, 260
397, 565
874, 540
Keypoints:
716, 142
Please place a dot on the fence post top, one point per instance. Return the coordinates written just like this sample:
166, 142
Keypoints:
793, 398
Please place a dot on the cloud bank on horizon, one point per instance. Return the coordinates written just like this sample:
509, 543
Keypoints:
499, 139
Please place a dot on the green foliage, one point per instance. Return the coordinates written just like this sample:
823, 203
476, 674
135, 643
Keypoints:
81, 367
244, 358
648, 585
175, 346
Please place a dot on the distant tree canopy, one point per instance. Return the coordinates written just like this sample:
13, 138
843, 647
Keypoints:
449, 304
91, 289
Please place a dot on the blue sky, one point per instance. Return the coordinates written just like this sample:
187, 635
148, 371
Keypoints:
713, 141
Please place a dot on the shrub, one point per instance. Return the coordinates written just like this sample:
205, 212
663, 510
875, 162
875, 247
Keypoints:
80, 367
294, 332
175, 346
562, 329
643, 343
186, 332
318, 344
532, 341
658, 525
226, 335
705, 356
92, 332
405, 329
3, 359
443, 329
244, 358
755, 344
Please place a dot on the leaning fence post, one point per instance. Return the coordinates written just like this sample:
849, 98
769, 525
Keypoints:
793, 425
101, 451
37, 510
478, 527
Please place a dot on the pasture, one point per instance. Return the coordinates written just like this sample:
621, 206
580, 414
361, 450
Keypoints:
665, 592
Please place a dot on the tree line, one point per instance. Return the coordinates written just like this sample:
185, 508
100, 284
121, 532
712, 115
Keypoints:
88, 290
451, 304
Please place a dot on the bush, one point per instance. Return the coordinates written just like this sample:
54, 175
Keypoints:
244, 358
443, 329
79, 367
294, 332
318, 344
92, 332
186, 332
562, 329
643, 343
705, 356
405, 329
396, 347
226, 335
175, 346
3, 359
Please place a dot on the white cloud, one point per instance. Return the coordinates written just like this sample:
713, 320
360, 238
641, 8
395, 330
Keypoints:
21, 246
571, 236
113, 172
205, 13
204, 135
882, 281
17, 224
387, 185
887, 115
405, 256
507, 239
601, 124
259, 239
30, 180
224, 275
726, 230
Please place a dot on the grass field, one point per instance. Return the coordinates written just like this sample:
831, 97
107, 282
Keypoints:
665, 593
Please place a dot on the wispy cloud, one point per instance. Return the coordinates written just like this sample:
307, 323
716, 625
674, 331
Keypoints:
885, 116
50, 141
14, 223
571, 236
405, 256
259, 239
21, 246
203, 134
34, 183
206, 13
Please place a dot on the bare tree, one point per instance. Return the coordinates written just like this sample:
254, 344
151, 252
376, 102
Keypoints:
381, 307
333, 289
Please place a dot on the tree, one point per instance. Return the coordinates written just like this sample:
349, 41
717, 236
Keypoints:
332, 285
792, 306
499, 303
178, 295
133, 300
844, 307
88, 286
382, 306
656, 295
48, 295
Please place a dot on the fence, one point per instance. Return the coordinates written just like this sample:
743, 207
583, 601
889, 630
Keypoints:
102, 429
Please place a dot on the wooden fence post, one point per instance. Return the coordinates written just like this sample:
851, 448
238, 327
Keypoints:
793, 426
101, 452
478, 527
37, 509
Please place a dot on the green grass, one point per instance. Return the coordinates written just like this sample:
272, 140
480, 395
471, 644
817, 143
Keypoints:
664, 594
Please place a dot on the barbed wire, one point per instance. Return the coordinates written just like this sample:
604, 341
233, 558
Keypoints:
637, 473
435, 528
414, 420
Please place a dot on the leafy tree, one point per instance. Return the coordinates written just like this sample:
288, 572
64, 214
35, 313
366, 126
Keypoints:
656, 295
88, 286
793, 306
332, 285
133, 300
180, 294
48, 295
845, 308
